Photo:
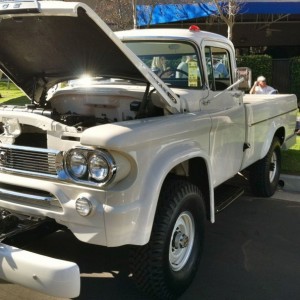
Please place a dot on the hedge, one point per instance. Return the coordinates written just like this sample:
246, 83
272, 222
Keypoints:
259, 64
295, 76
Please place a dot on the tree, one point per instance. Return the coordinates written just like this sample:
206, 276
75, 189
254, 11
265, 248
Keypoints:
227, 11
115, 13
123, 14
147, 7
134, 17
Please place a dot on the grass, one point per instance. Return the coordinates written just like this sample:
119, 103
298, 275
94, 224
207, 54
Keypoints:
291, 159
11, 95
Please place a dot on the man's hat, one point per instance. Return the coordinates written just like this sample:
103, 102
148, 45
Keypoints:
261, 78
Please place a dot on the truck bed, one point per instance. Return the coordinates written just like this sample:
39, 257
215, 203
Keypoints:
262, 119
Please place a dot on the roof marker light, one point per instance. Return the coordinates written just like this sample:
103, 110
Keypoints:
194, 28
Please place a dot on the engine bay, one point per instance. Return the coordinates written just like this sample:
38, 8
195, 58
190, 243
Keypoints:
81, 108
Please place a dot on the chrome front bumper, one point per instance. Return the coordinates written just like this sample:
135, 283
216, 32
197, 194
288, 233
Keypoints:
58, 278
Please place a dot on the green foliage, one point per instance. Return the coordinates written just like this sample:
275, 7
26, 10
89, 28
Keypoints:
259, 64
291, 159
11, 94
295, 76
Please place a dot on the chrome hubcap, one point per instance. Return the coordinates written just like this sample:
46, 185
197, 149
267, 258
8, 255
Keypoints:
273, 167
182, 241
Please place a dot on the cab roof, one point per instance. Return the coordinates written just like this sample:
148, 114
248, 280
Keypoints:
173, 34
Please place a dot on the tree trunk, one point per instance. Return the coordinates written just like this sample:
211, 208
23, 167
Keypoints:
230, 31
231, 17
134, 2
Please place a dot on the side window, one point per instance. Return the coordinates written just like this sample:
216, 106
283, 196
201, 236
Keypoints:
218, 68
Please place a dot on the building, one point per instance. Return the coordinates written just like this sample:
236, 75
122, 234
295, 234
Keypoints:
260, 27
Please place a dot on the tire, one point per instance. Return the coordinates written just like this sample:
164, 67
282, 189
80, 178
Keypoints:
166, 266
264, 174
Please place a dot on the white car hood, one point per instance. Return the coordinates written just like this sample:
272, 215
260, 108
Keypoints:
46, 42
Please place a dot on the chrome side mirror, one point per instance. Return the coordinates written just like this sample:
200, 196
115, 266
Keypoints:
246, 73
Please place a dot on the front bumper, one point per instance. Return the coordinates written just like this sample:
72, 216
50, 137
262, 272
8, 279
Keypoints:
58, 278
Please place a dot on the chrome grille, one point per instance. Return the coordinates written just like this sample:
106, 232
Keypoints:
29, 160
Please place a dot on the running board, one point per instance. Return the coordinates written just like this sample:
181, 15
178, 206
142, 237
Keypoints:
225, 194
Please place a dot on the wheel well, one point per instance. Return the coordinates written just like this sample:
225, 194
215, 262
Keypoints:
198, 175
195, 170
280, 133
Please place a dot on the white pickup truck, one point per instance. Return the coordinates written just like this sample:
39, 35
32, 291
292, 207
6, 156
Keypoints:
136, 152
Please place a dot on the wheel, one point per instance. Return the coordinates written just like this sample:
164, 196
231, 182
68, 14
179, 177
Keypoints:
264, 174
166, 266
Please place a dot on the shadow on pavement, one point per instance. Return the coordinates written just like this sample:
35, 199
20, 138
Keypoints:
252, 252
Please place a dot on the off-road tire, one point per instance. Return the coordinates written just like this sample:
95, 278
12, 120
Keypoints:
166, 266
264, 174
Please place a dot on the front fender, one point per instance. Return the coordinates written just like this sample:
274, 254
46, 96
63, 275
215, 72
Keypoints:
149, 187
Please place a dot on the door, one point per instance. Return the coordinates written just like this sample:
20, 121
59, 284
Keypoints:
227, 113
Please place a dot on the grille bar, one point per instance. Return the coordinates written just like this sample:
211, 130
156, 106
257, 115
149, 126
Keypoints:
31, 160
28, 196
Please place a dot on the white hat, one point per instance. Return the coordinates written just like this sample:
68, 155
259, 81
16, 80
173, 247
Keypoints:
261, 78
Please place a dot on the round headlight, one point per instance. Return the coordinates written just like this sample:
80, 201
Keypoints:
98, 167
77, 164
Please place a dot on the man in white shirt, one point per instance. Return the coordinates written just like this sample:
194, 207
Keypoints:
260, 87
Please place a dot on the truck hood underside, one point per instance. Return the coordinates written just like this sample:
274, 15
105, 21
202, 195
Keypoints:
51, 48
64, 40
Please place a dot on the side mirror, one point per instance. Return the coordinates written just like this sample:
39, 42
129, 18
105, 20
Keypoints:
246, 73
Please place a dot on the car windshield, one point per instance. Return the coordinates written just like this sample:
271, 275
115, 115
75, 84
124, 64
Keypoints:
176, 63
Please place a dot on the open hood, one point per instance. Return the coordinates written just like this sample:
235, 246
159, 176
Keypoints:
46, 42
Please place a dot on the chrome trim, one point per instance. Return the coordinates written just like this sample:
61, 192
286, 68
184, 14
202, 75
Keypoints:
112, 168
31, 198
28, 148
89, 152
24, 196
31, 161
29, 173
58, 164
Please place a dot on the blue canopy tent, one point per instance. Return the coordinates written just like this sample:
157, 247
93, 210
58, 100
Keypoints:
168, 13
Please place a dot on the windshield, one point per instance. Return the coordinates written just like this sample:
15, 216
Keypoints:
176, 63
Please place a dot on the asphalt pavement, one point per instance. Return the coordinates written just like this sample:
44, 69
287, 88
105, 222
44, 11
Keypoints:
251, 252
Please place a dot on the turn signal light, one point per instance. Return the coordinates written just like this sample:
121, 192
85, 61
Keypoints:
83, 206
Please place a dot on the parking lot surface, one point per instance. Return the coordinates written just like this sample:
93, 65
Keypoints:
251, 252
